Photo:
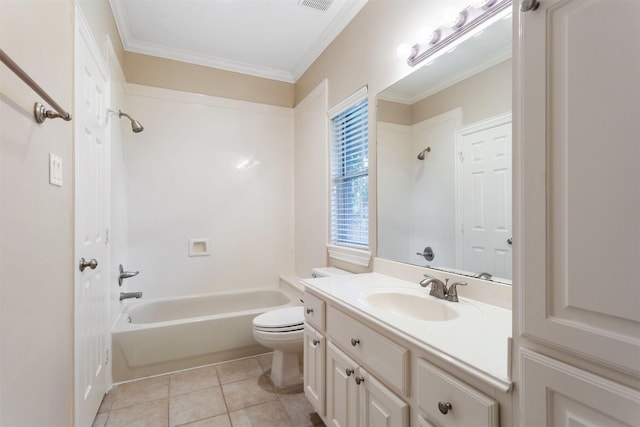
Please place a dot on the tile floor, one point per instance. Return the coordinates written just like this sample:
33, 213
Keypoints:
229, 394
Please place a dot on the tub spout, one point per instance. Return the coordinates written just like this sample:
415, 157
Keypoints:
126, 295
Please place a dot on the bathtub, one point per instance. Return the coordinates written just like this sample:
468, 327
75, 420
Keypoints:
165, 335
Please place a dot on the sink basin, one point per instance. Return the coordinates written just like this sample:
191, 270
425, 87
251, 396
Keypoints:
410, 305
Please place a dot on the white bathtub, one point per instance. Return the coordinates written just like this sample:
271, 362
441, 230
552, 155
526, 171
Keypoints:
165, 335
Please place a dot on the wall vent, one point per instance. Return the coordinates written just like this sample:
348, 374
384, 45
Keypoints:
321, 5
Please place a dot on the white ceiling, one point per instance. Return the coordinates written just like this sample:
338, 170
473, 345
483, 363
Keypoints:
275, 39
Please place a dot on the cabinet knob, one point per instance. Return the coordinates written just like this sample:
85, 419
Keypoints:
91, 264
359, 380
355, 341
349, 371
309, 310
528, 5
444, 407
316, 341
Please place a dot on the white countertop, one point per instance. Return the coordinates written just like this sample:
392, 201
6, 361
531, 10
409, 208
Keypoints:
476, 341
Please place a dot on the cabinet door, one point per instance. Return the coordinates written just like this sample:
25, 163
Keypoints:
342, 390
314, 350
379, 406
579, 180
556, 394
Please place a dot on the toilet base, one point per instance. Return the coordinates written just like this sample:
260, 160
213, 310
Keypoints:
285, 369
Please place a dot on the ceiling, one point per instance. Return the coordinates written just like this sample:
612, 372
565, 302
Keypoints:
274, 39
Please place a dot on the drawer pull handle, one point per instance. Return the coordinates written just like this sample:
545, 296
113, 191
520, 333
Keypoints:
444, 407
355, 341
309, 310
349, 371
316, 341
359, 380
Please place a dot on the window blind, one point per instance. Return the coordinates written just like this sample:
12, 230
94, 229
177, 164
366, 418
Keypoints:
350, 176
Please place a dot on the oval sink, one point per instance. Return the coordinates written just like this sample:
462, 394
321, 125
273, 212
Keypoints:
414, 306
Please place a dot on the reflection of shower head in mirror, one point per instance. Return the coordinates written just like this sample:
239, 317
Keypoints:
423, 152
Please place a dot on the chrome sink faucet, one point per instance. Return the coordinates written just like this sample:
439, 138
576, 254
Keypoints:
440, 289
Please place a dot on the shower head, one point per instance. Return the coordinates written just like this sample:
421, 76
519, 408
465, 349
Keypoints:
136, 126
423, 152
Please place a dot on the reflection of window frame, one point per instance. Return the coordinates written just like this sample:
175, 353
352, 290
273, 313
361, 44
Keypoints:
349, 122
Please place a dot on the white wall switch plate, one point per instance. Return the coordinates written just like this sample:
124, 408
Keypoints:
55, 170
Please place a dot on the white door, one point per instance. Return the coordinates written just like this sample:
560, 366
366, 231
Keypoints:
485, 197
91, 219
580, 178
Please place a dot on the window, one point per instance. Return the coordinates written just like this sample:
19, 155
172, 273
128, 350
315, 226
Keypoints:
350, 172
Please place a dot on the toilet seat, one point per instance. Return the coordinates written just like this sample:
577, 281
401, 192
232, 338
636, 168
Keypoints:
288, 319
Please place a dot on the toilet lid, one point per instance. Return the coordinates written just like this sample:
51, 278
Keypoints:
281, 319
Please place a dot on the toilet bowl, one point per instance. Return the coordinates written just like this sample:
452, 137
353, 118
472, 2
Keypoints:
283, 331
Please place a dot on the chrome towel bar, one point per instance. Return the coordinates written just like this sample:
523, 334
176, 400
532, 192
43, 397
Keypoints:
39, 111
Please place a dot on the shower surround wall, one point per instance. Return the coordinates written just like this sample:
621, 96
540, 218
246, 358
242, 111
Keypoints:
184, 183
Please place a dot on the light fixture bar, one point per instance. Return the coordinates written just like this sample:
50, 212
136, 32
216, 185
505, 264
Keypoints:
467, 19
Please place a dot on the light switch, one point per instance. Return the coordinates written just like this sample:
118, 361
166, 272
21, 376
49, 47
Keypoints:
55, 170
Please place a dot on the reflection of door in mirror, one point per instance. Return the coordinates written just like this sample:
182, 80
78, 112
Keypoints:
484, 197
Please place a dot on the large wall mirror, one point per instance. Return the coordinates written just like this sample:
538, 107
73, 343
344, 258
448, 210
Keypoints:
444, 160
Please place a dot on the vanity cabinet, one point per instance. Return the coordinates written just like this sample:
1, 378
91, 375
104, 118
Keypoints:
358, 374
357, 398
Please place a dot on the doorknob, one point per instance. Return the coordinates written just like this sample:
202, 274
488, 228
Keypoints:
510, 240
92, 264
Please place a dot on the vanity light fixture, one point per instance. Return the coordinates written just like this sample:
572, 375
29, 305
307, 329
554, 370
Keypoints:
477, 15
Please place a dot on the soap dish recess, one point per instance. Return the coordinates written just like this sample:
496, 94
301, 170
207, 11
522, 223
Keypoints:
199, 247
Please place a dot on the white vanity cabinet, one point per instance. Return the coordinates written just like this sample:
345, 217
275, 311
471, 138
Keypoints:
373, 377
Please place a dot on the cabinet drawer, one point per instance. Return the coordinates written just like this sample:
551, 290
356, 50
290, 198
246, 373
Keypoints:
313, 310
386, 359
468, 407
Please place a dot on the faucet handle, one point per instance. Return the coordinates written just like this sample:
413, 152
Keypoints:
452, 292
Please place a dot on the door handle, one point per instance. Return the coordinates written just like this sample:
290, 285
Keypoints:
92, 264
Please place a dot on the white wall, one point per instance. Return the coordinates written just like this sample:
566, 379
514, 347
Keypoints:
311, 181
416, 198
394, 191
36, 220
183, 183
120, 135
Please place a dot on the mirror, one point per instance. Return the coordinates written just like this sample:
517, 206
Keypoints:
444, 159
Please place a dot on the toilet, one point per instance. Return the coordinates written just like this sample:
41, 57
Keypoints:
283, 331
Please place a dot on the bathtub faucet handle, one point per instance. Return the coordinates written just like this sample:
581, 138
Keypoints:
125, 275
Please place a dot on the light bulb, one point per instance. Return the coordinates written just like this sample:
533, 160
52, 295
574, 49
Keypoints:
478, 4
424, 35
458, 20
404, 50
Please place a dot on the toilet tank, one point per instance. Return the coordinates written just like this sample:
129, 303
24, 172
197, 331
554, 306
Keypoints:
327, 271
